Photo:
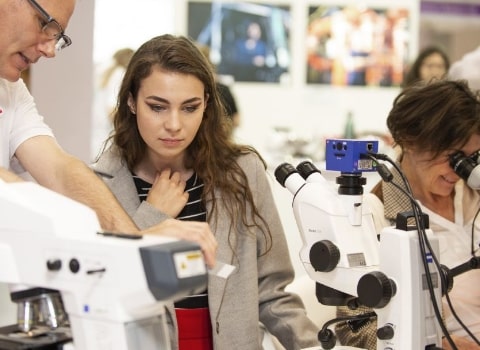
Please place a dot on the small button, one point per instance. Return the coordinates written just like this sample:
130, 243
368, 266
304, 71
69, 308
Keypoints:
74, 265
386, 332
54, 264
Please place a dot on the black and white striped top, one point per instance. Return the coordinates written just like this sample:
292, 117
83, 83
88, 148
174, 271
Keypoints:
193, 211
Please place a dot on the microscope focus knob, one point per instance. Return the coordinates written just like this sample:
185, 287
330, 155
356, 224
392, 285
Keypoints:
375, 289
54, 264
448, 279
324, 256
386, 332
327, 338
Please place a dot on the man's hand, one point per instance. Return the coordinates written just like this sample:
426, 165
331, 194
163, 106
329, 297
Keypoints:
168, 193
8, 176
461, 343
195, 231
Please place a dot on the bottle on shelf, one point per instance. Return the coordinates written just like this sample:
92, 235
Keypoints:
349, 129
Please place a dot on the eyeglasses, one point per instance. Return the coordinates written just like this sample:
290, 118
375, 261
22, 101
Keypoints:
52, 28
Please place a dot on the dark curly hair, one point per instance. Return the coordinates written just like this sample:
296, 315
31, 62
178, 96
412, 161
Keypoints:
435, 117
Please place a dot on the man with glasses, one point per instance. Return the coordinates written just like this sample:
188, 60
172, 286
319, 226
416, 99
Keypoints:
32, 29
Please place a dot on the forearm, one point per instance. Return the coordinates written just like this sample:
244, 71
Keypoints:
79, 182
8, 176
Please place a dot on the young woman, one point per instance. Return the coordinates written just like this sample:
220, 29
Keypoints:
431, 63
170, 156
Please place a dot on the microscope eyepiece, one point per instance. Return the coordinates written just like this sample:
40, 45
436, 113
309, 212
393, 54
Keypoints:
466, 167
306, 168
461, 164
283, 171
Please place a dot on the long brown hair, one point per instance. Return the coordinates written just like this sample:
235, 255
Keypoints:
212, 153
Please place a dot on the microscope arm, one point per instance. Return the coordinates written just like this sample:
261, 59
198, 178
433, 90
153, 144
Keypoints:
449, 274
473, 263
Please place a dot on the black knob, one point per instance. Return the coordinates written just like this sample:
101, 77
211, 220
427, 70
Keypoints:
327, 339
447, 284
283, 171
74, 265
375, 289
54, 264
386, 332
306, 168
324, 256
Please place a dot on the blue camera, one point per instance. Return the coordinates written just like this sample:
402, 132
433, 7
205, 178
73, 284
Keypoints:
350, 156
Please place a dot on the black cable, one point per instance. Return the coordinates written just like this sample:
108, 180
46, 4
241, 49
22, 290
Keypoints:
437, 263
328, 339
473, 230
423, 240
348, 318
422, 244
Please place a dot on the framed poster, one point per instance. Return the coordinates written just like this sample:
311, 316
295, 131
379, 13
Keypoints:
349, 45
248, 41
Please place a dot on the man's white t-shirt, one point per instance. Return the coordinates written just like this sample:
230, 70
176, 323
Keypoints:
19, 121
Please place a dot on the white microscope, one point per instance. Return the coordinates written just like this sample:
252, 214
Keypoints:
113, 286
342, 253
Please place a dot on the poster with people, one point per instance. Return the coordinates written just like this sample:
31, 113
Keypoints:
357, 45
248, 41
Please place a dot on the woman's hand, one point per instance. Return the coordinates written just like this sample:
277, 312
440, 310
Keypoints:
194, 231
168, 193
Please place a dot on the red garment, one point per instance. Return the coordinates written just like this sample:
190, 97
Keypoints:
194, 329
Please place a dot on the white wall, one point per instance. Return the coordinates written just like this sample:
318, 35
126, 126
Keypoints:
456, 34
134, 22
62, 86
311, 110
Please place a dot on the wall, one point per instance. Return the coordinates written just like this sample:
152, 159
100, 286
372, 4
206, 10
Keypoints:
453, 26
115, 32
62, 86
312, 111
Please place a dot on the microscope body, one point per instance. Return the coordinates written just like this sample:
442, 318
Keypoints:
114, 287
321, 216
342, 253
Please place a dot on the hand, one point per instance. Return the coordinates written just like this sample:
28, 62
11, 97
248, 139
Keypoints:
461, 343
168, 193
194, 231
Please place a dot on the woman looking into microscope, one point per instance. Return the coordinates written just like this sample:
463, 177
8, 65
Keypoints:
430, 122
